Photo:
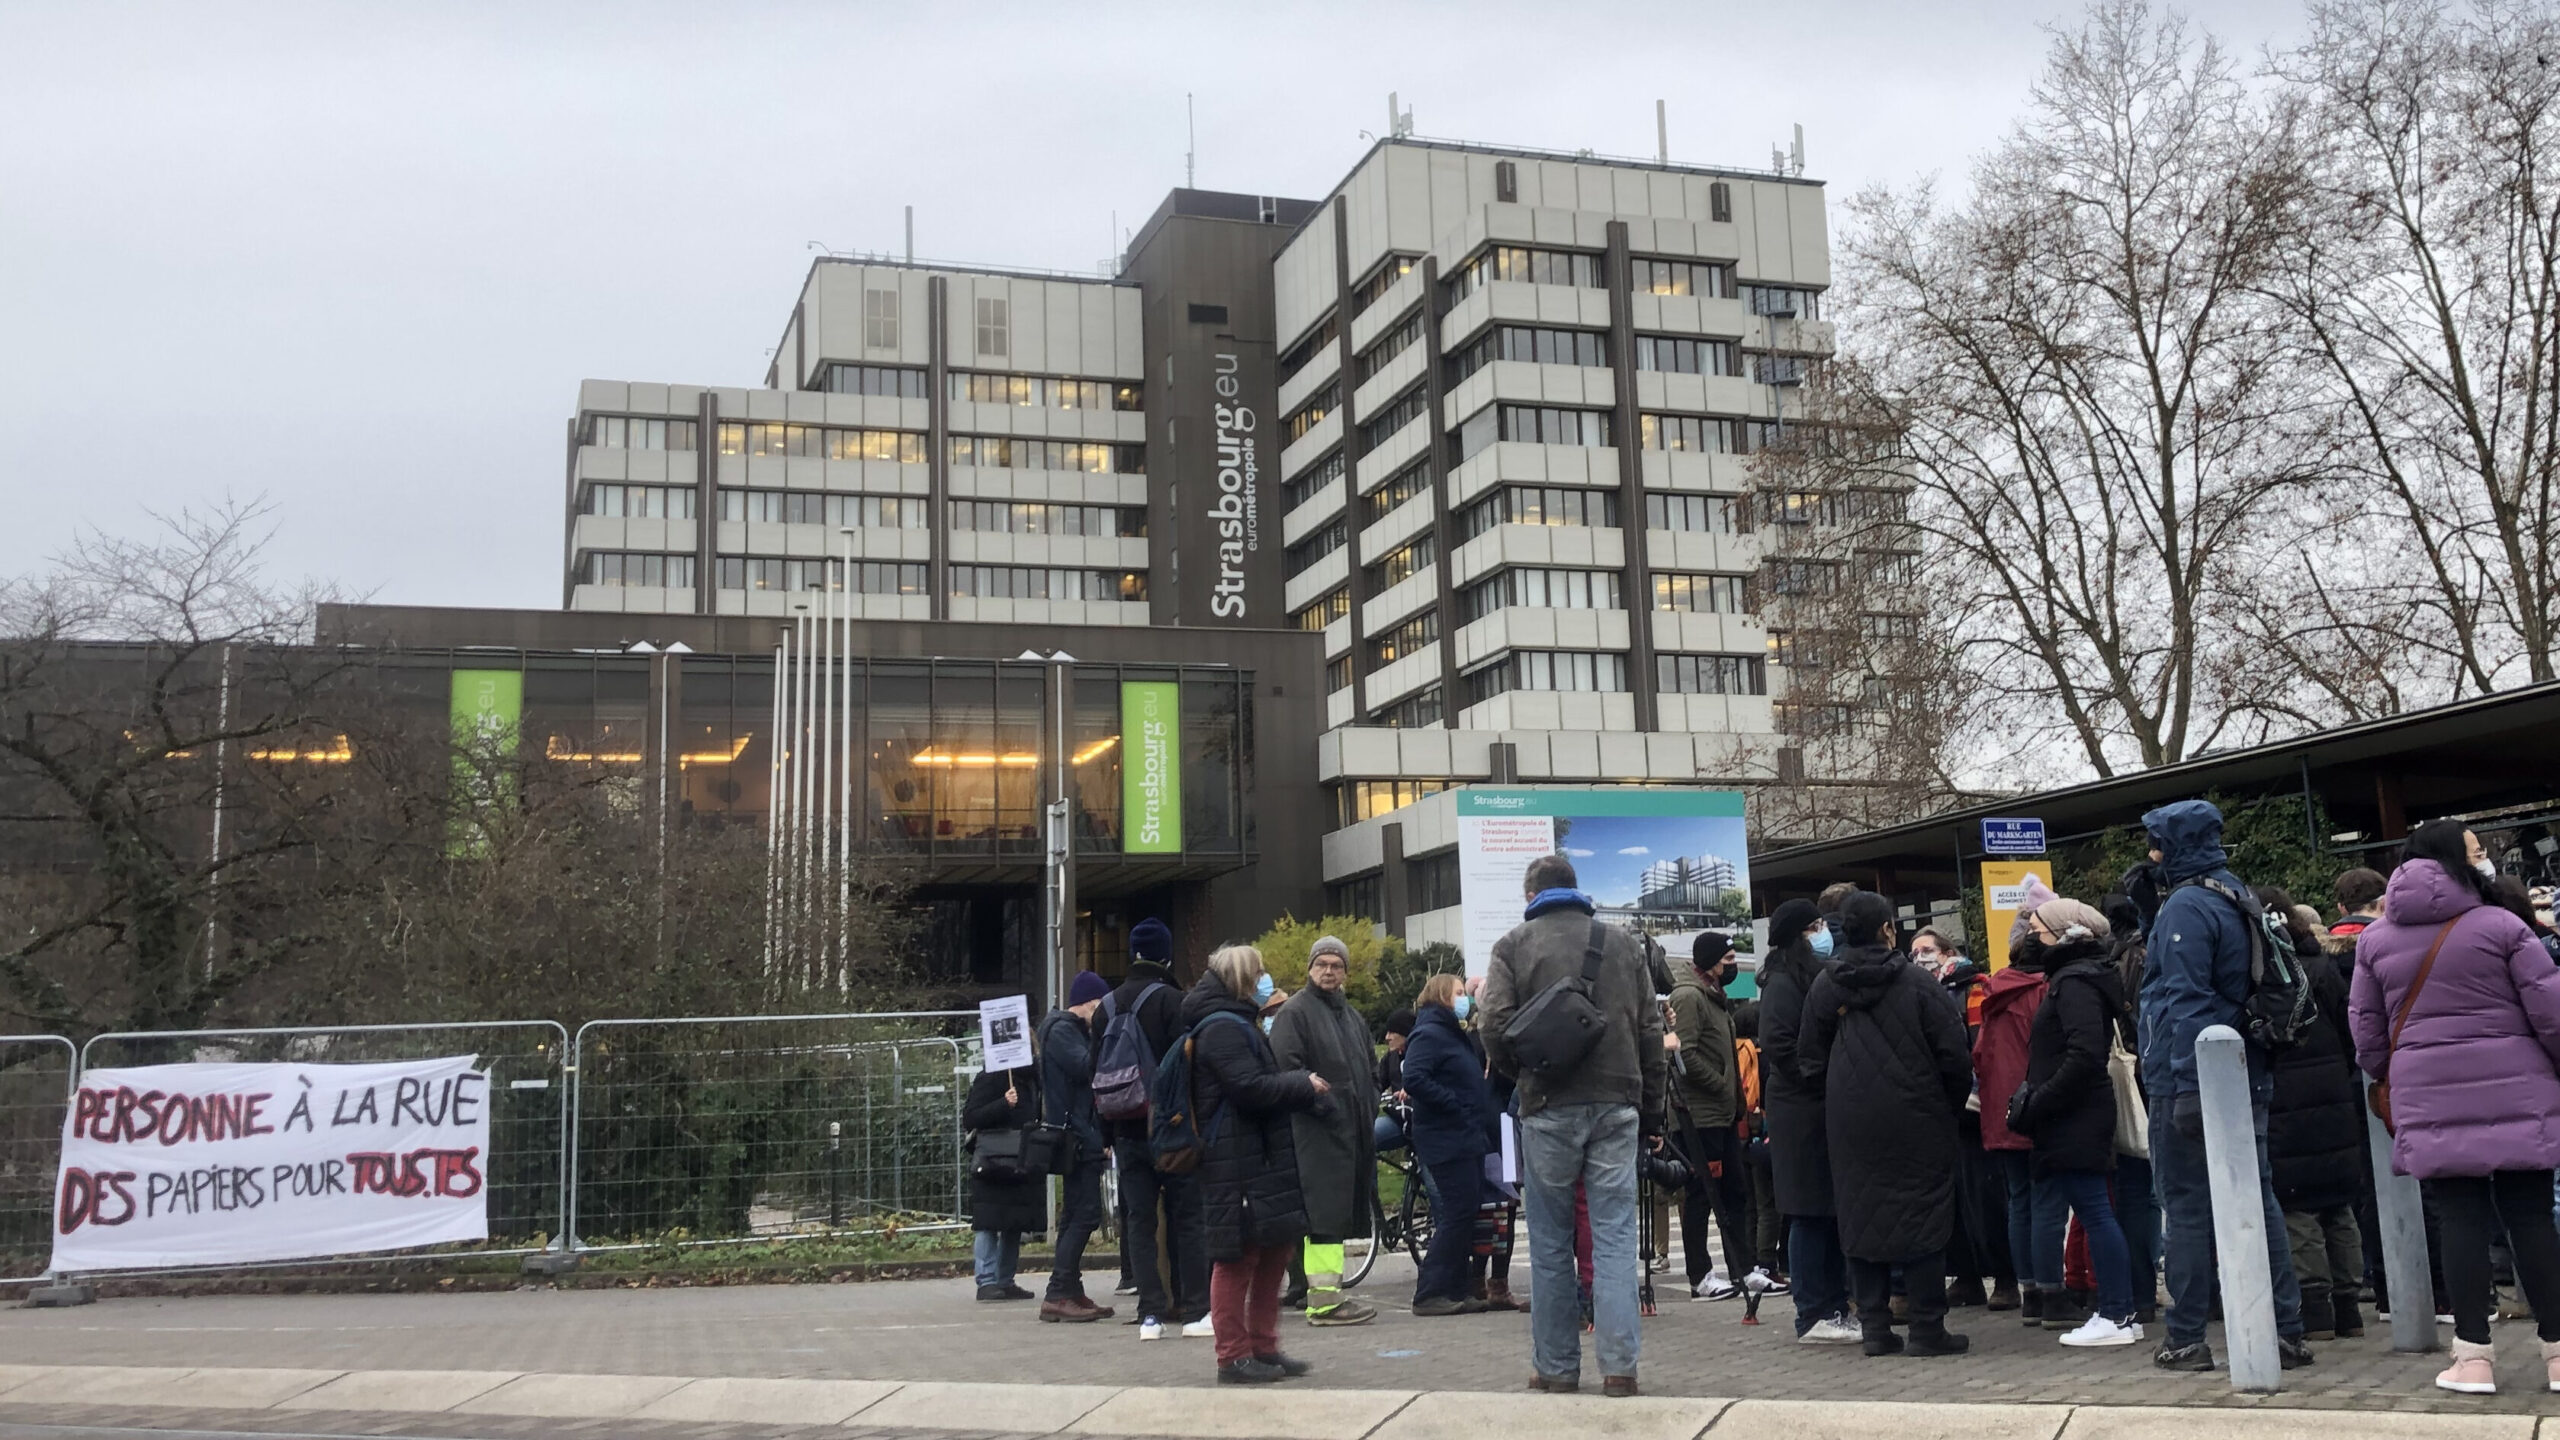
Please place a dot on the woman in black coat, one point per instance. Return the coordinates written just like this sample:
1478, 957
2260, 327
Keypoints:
1799, 1153
1887, 1052
2067, 1108
1001, 1210
1256, 1217
1452, 1133
2316, 1144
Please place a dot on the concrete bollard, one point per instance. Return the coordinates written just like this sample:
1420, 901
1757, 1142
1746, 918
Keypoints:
2403, 1217
2239, 1212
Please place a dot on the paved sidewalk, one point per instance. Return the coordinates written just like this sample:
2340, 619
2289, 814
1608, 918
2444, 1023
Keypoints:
920, 1331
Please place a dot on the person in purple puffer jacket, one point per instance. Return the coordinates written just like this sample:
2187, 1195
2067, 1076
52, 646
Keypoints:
2475, 1079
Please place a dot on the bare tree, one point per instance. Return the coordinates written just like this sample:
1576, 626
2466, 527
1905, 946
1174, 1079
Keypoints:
2426, 289
2100, 412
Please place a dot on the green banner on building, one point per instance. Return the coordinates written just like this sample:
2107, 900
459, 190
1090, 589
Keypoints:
487, 714
1150, 767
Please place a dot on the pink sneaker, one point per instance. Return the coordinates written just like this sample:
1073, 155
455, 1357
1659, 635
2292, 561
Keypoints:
2473, 1371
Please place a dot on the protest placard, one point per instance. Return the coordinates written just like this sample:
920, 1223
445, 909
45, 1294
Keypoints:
214, 1164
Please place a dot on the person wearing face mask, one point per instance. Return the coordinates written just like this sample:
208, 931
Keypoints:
1800, 947
1453, 1131
1317, 1030
1703, 1091
2456, 1008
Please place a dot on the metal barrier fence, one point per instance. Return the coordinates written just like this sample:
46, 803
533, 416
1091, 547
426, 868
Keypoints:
529, 1088
37, 1073
736, 1128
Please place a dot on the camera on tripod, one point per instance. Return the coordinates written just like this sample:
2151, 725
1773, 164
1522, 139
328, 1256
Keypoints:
1661, 1167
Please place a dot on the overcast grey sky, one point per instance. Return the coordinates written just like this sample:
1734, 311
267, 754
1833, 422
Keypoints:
356, 259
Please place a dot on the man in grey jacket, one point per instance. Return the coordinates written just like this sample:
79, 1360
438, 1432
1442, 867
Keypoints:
1317, 1030
1583, 1126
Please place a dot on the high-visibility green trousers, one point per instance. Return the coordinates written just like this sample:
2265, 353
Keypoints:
1324, 1275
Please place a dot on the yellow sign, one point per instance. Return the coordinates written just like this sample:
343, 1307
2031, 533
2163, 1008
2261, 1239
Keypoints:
2004, 884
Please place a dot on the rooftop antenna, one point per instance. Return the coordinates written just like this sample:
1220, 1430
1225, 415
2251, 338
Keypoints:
1191, 141
911, 234
1399, 121
1795, 158
1662, 133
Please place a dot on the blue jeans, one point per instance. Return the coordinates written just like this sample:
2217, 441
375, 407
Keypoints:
2085, 1191
1595, 1144
2138, 1214
2037, 1219
2186, 1200
998, 1254
1817, 1269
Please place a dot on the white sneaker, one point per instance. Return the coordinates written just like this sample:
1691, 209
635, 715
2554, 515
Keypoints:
2099, 1330
1199, 1330
1151, 1328
1830, 1330
1714, 1287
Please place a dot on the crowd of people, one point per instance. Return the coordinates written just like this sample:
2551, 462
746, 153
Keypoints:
1889, 1132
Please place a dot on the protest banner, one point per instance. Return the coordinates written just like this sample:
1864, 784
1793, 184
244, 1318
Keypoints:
218, 1164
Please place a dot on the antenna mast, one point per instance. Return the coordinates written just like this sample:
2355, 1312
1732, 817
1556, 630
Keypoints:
1191, 142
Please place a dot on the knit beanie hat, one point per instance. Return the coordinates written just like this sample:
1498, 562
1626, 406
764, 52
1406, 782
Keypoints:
1710, 948
1328, 945
2064, 917
1086, 986
1150, 941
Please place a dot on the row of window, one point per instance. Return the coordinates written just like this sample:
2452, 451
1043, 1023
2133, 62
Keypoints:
1535, 344
1832, 507
1526, 264
1407, 637
1529, 424
813, 507
1390, 345
1783, 301
1032, 517
1043, 392
1310, 415
1024, 582
880, 322
1412, 480
1540, 590
1331, 536
1711, 675
1702, 594
903, 382
625, 569
1710, 278
1394, 416
774, 572
633, 432
1357, 800
1302, 487
1297, 357
1604, 671
1381, 280
1538, 505
1005, 452
1417, 711
1403, 563
829, 442
642, 502
1687, 355
1333, 606
1708, 434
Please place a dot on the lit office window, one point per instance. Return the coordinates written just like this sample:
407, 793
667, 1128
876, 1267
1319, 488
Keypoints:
1704, 594
1707, 434
1004, 452
1681, 277
824, 442
1043, 392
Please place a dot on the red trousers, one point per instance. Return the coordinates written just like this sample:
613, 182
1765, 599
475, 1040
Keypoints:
1244, 1301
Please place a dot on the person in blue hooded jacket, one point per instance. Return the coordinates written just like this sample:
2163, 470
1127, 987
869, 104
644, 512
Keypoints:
2196, 976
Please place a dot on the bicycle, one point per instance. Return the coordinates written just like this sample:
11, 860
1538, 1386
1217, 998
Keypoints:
1409, 1227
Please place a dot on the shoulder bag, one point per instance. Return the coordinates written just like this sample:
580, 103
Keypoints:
1560, 1024
2124, 1076
2379, 1097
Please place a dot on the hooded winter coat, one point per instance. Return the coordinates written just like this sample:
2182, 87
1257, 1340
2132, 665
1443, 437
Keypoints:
2010, 999
1444, 1073
1016, 1205
1318, 1030
2315, 1123
2198, 959
1886, 1051
2475, 1081
2071, 1106
1249, 1172
1799, 1145
1702, 1071
1067, 1046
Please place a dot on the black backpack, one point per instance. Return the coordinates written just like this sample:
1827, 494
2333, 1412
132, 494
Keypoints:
2280, 1007
1562, 1023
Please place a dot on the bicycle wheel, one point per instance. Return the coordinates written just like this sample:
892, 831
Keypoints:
1416, 1214
1359, 1257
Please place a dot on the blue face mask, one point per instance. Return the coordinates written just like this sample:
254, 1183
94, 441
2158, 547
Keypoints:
1262, 990
1266, 1024
1820, 939
1466, 1005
